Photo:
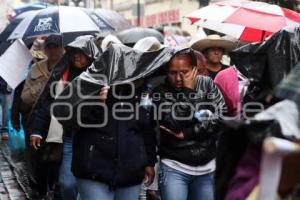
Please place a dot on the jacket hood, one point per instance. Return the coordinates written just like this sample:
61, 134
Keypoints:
86, 44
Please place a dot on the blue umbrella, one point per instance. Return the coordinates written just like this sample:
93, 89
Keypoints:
31, 6
62, 20
4, 44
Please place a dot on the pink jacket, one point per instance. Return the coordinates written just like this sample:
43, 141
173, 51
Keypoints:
227, 81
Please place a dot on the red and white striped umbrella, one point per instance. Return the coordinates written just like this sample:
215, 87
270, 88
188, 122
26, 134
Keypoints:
253, 20
237, 31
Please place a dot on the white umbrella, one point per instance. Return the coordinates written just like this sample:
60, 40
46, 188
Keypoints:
233, 30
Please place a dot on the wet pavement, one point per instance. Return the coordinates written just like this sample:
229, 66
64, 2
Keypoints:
14, 178
14, 184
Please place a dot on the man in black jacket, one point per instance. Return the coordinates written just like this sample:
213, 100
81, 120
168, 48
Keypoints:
188, 114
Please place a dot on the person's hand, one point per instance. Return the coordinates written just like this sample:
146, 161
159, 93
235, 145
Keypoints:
35, 142
103, 93
189, 80
179, 135
149, 175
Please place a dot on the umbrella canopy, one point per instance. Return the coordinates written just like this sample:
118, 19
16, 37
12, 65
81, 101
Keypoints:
31, 6
174, 41
117, 21
253, 18
120, 65
56, 20
104, 25
267, 63
4, 44
131, 36
237, 31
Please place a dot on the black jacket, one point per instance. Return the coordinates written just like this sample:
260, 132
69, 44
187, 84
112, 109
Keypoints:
117, 152
199, 144
41, 114
16, 108
4, 89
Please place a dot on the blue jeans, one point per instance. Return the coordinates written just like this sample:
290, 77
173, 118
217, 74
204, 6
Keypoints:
94, 190
67, 180
177, 185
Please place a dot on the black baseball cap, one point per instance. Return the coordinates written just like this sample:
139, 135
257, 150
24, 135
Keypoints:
54, 40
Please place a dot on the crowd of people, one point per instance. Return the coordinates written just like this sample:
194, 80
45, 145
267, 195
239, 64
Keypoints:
169, 146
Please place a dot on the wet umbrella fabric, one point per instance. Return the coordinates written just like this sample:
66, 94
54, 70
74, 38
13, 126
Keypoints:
239, 32
29, 7
104, 25
267, 63
289, 88
56, 20
131, 36
116, 66
117, 21
4, 44
245, 20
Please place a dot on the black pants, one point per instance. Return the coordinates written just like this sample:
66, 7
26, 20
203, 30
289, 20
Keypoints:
46, 173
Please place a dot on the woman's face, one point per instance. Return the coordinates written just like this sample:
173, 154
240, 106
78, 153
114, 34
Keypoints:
80, 60
177, 69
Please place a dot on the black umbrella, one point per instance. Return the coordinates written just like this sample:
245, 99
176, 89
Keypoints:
267, 63
131, 36
4, 44
118, 22
290, 87
118, 65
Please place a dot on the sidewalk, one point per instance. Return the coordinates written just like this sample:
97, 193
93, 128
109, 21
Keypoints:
12, 176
